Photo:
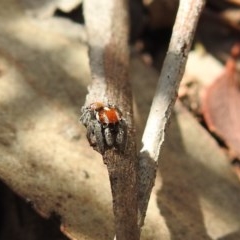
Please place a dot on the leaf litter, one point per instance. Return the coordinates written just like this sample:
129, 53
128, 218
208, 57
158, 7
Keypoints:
221, 104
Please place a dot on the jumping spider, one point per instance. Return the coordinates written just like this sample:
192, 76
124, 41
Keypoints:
105, 126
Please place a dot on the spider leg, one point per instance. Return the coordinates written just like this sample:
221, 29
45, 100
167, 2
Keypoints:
95, 136
109, 136
85, 117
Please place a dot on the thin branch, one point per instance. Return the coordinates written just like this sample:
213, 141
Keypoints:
107, 28
166, 93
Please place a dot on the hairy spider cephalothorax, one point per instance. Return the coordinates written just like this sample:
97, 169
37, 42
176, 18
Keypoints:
105, 126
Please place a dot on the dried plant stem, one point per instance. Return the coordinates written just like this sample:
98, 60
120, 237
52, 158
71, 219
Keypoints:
166, 93
107, 28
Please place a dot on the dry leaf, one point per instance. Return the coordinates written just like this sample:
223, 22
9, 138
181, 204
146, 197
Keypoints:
221, 105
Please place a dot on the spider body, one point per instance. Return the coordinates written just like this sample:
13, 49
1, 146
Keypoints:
105, 126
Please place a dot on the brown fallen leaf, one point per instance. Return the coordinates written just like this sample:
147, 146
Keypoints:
221, 104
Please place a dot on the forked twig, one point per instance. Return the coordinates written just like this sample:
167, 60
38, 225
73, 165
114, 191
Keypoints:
108, 33
166, 93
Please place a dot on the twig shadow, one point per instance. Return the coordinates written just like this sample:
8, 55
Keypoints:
184, 181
